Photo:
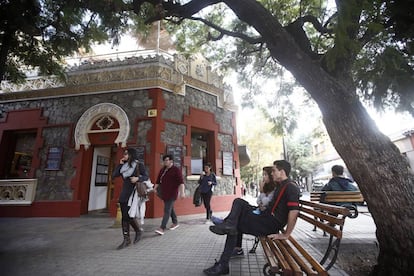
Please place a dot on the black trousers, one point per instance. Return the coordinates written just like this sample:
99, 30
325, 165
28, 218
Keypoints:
206, 201
124, 211
242, 216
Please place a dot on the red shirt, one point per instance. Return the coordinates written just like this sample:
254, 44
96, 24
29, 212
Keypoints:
169, 182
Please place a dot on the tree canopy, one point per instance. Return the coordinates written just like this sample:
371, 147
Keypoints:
362, 49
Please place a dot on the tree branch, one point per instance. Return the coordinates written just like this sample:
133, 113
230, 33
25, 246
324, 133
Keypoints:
171, 8
251, 40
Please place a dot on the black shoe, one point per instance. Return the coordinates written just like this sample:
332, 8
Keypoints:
237, 253
224, 229
137, 236
217, 269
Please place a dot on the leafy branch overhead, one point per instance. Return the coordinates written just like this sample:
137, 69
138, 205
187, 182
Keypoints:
352, 43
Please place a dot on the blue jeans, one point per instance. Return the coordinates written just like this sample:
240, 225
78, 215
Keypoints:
168, 211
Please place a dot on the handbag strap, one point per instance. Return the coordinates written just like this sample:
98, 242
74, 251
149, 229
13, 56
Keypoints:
279, 196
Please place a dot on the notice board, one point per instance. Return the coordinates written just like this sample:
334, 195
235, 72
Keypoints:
177, 154
227, 163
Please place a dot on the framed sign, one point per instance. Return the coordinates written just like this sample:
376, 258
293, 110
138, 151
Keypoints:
54, 158
177, 153
101, 177
227, 163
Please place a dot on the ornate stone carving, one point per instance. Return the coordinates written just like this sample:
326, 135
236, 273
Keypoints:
31, 84
87, 119
17, 191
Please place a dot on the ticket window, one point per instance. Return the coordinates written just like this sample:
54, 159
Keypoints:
20, 165
19, 157
201, 149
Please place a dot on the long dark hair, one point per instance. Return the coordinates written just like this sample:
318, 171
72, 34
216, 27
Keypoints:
132, 155
271, 185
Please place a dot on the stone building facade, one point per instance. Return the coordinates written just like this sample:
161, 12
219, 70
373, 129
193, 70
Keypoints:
62, 141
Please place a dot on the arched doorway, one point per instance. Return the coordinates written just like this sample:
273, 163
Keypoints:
99, 131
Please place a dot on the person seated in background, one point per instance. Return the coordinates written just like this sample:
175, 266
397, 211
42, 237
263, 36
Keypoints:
339, 182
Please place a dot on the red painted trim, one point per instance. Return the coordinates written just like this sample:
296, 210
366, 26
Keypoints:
203, 120
26, 119
43, 209
155, 207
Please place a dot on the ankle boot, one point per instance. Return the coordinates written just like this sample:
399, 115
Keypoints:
134, 224
125, 233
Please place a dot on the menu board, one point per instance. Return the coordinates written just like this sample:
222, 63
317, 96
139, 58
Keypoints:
54, 158
227, 163
101, 176
177, 153
141, 154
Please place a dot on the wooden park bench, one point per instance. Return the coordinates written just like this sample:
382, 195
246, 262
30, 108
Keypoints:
346, 199
289, 257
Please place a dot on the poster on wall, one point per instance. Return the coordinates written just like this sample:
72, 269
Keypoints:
177, 153
54, 158
227, 163
101, 177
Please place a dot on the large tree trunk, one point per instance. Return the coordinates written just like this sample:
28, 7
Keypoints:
382, 173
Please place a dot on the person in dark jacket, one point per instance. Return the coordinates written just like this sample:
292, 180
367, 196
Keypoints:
207, 181
339, 182
127, 168
284, 212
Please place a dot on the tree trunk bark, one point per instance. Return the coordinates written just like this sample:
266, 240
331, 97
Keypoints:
382, 173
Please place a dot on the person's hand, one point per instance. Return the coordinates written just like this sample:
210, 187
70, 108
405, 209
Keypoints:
134, 179
122, 161
182, 195
280, 236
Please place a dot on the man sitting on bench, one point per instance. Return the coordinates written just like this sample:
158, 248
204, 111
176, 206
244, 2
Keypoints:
338, 181
283, 210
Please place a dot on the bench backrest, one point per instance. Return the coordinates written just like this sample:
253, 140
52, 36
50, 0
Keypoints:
327, 217
336, 196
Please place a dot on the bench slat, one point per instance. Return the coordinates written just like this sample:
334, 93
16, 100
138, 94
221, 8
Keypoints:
274, 256
325, 227
314, 263
288, 257
326, 207
334, 196
296, 269
323, 215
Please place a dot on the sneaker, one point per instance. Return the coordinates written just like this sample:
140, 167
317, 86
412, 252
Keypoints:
174, 226
159, 231
237, 252
216, 220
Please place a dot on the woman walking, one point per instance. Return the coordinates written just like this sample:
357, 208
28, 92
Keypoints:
131, 171
207, 181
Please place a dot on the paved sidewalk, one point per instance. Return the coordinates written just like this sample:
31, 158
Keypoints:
86, 246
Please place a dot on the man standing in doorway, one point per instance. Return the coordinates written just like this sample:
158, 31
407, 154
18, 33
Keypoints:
170, 182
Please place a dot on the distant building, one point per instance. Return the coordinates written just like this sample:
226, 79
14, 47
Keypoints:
59, 142
325, 153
